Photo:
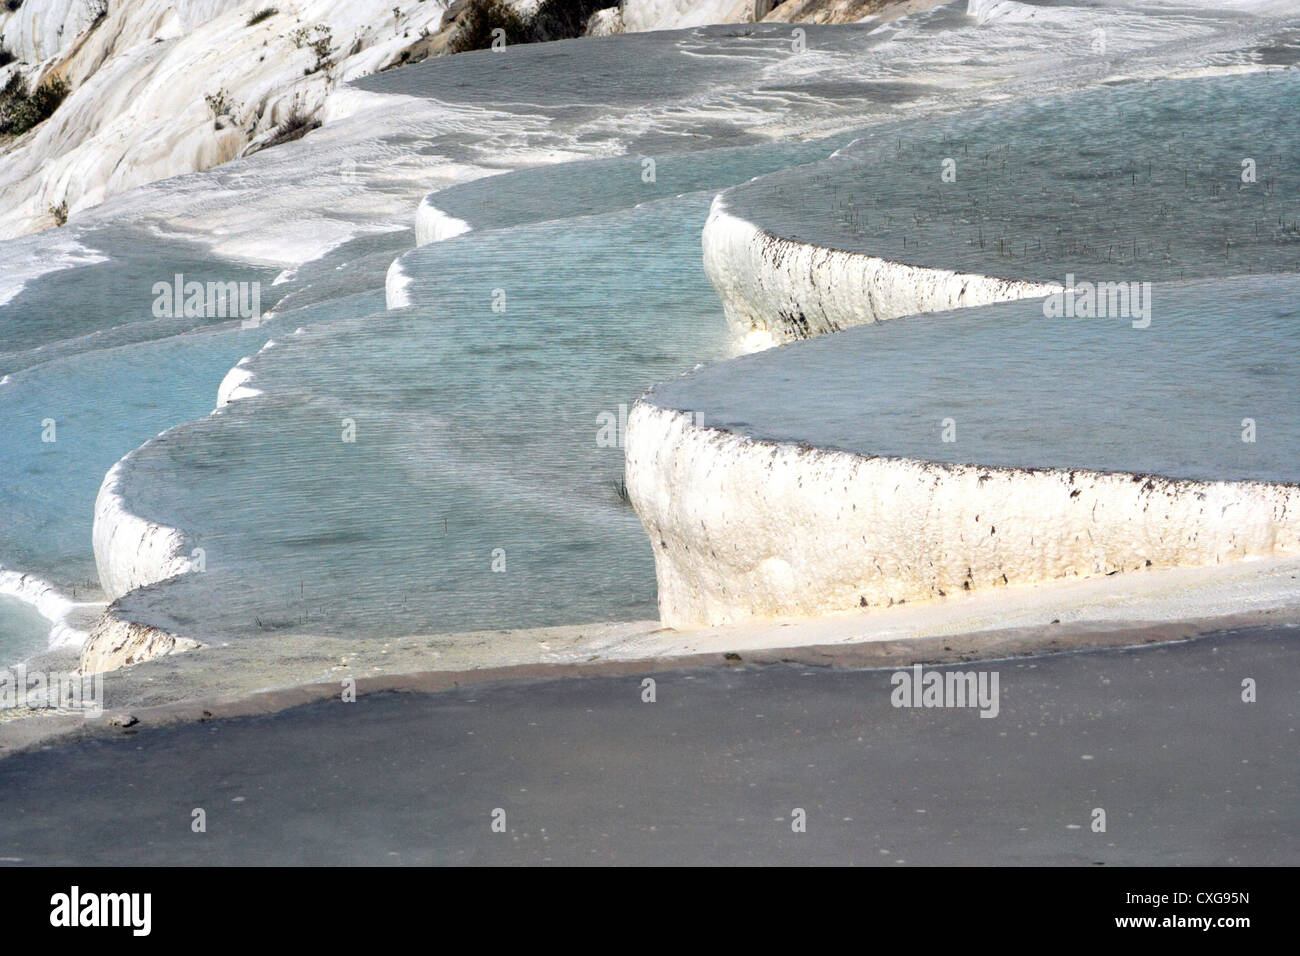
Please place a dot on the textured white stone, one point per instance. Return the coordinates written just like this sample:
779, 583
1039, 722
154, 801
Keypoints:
131, 551
434, 225
49, 602
40, 29
605, 23
235, 385
642, 15
139, 77
396, 284
777, 290
749, 529
115, 643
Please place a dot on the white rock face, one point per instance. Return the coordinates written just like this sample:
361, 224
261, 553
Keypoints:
642, 15
525, 8
605, 23
396, 282
131, 551
235, 385
1011, 11
749, 529
40, 29
291, 204
434, 225
52, 605
117, 643
140, 77
777, 290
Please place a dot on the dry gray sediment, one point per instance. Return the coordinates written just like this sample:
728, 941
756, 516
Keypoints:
242, 678
688, 779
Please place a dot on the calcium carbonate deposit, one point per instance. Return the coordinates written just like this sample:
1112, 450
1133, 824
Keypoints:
435, 439
1140, 182
1107, 424
981, 448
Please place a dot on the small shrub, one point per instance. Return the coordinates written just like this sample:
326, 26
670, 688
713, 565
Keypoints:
320, 40
563, 19
5, 56
47, 98
20, 111
475, 28
261, 15
552, 20
219, 102
60, 213
295, 126
620, 490
12, 5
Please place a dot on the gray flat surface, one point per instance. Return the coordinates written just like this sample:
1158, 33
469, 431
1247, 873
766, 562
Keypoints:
587, 773
1026, 391
1122, 183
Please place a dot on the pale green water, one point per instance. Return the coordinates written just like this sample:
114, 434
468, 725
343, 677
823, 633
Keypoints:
478, 492
1139, 182
271, 515
24, 631
477, 444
